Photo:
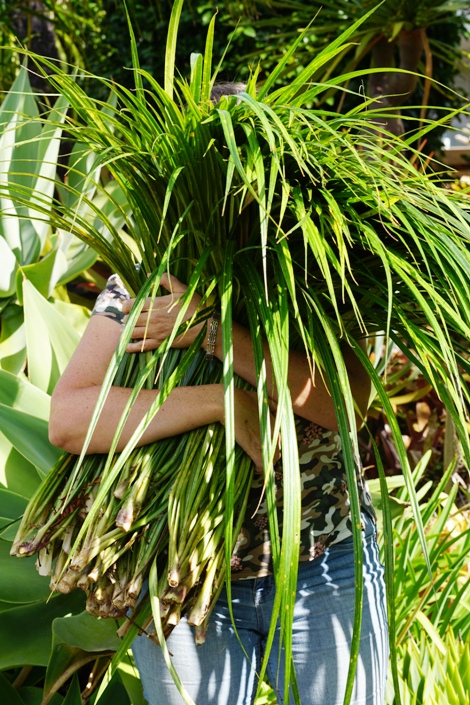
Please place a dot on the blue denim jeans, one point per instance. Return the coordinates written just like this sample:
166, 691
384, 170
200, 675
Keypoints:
218, 673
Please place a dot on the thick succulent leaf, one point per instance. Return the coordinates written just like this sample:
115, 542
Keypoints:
18, 396
8, 269
80, 257
12, 339
45, 172
19, 581
16, 472
12, 506
10, 226
51, 339
15, 98
78, 316
28, 434
43, 274
82, 176
16, 622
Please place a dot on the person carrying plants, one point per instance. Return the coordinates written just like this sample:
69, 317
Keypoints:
223, 670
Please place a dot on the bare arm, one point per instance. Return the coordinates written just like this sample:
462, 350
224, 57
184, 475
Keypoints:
186, 408
310, 397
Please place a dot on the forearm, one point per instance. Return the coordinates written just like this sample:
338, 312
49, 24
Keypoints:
185, 409
244, 358
299, 372
158, 317
75, 396
310, 396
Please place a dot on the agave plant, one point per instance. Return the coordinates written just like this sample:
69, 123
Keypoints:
39, 329
302, 225
39, 325
37, 259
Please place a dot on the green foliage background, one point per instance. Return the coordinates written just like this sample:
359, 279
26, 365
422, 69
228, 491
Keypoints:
94, 35
261, 33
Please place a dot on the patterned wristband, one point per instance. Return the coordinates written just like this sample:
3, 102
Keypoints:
109, 301
212, 335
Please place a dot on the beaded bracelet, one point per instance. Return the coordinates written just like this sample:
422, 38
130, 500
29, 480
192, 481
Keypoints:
212, 335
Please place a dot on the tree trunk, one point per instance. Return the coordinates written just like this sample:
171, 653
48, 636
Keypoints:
36, 31
391, 89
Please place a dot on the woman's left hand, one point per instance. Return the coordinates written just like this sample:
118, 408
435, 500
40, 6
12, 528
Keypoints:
158, 317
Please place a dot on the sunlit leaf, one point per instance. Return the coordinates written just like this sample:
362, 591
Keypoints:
51, 340
12, 339
16, 472
7, 270
29, 435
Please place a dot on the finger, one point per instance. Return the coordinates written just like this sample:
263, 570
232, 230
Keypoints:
140, 327
142, 346
150, 304
141, 332
127, 305
160, 305
171, 283
154, 315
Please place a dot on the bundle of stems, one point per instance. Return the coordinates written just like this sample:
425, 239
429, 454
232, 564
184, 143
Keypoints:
166, 504
312, 229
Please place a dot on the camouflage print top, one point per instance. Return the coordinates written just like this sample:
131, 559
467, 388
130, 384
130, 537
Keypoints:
325, 504
109, 301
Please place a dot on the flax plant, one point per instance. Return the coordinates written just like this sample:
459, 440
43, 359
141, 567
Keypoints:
311, 228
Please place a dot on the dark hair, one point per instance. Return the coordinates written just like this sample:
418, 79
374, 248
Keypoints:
226, 88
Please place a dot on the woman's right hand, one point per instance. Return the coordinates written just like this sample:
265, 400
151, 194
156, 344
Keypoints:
247, 430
